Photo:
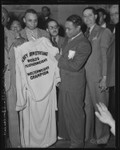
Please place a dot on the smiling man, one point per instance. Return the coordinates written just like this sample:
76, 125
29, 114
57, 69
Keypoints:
96, 70
114, 14
31, 31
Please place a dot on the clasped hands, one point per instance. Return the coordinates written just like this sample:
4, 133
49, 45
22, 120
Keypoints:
102, 84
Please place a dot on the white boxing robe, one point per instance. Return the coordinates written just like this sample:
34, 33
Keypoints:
36, 77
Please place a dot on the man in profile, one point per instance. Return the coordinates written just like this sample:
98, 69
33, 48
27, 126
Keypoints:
114, 15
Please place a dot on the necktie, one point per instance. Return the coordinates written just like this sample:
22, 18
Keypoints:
54, 42
33, 36
88, 32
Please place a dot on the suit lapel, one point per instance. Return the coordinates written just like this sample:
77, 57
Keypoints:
94, 33
69, 45
112, 40
65, 45
60, 41
38, 33
24, 34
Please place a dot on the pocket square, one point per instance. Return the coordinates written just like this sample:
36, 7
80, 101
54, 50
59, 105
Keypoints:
71, 54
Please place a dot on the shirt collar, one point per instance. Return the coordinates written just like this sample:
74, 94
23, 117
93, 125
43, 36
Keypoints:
91, 28
31, 31
56, 38
114, 31
46, 18
103, 25
31, 34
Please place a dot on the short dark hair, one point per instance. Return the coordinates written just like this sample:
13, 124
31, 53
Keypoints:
101, 10
75, 19
104, 12
50, 20
46, 8
49, 13
92, 8
14, 18
31, 11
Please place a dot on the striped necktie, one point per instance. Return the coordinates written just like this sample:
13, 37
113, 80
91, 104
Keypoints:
87, 32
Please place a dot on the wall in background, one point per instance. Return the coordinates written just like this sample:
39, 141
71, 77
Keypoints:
58, 12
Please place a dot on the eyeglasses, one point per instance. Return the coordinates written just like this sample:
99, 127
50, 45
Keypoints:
53, 27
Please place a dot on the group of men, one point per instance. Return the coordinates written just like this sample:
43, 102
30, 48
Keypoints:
87, 72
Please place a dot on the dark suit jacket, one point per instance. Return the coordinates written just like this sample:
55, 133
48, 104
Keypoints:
96, 66
72, 71
117, 54
110, 26
111, 63
60, 41
42, 22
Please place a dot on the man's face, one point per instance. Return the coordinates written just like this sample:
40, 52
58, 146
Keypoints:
53, 28
101, 18
114, 14
89, 17
5, 17
45, 12
15, 26
71, 29
31, 21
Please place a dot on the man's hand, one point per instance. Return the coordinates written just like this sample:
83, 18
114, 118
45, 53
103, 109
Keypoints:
102, 84
57, 56
104, 115
58, 84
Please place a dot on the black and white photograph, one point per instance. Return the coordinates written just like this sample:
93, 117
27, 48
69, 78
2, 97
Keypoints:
60, 74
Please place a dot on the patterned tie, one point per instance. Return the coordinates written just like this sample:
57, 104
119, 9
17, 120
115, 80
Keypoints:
33, 36
87, 32
54, 42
